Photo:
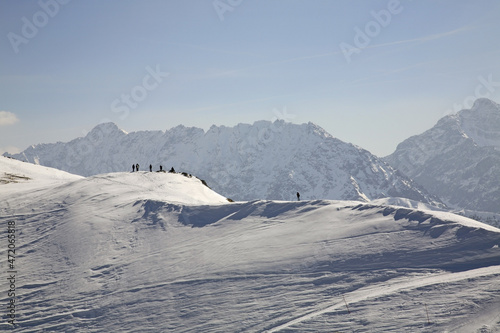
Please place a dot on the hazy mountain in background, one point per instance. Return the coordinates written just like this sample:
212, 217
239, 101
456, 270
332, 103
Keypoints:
458, 159
266, 160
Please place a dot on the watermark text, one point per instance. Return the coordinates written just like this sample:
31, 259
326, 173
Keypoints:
31, 27
11, 272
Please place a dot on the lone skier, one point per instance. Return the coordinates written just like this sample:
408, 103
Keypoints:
298, 196
150, 168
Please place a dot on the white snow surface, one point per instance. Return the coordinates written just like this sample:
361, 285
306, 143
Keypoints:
159, 252
405, 202
16, 175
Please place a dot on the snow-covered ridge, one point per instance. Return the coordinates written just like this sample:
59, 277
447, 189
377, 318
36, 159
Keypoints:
406, 203
15, 175
173, 187
266, 160
167, 249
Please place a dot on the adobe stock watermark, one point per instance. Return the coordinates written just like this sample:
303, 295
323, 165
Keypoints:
121, 107
223, 6
138, 93
250, 145
266, 134
363, 37
76, 154
484, 89
30, 28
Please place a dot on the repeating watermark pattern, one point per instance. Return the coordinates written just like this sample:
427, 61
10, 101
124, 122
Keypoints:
30, 28
223, 6
11, 272
249, 146
266, 134
121, 107
363, 37
77, 153
484, 89
138, 93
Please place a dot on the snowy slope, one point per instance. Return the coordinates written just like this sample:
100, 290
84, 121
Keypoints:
406, 203
156, 252
458, 159
246, 162
16, 175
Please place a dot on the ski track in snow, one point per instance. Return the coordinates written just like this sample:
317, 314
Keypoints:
383, 289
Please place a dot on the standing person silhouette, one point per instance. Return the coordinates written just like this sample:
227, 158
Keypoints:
133, 167
150, 168
298, 196
137, 166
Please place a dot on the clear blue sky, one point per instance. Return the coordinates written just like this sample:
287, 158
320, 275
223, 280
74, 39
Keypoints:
370, 72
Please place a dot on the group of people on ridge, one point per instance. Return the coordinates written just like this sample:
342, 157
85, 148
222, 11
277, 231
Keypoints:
135, 167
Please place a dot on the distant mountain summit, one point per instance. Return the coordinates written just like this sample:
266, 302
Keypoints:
266, 160
458, 159
481, 123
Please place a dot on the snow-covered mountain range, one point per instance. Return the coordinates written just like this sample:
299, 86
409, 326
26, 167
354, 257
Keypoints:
161, 252
266, 160
458, 159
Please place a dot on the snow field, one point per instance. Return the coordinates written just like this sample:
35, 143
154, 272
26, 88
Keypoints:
156, 252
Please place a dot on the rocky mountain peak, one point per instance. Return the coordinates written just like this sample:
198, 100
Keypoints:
482, 123
458, 159
264, 160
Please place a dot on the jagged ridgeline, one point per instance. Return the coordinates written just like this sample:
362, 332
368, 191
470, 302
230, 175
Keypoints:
265, 160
